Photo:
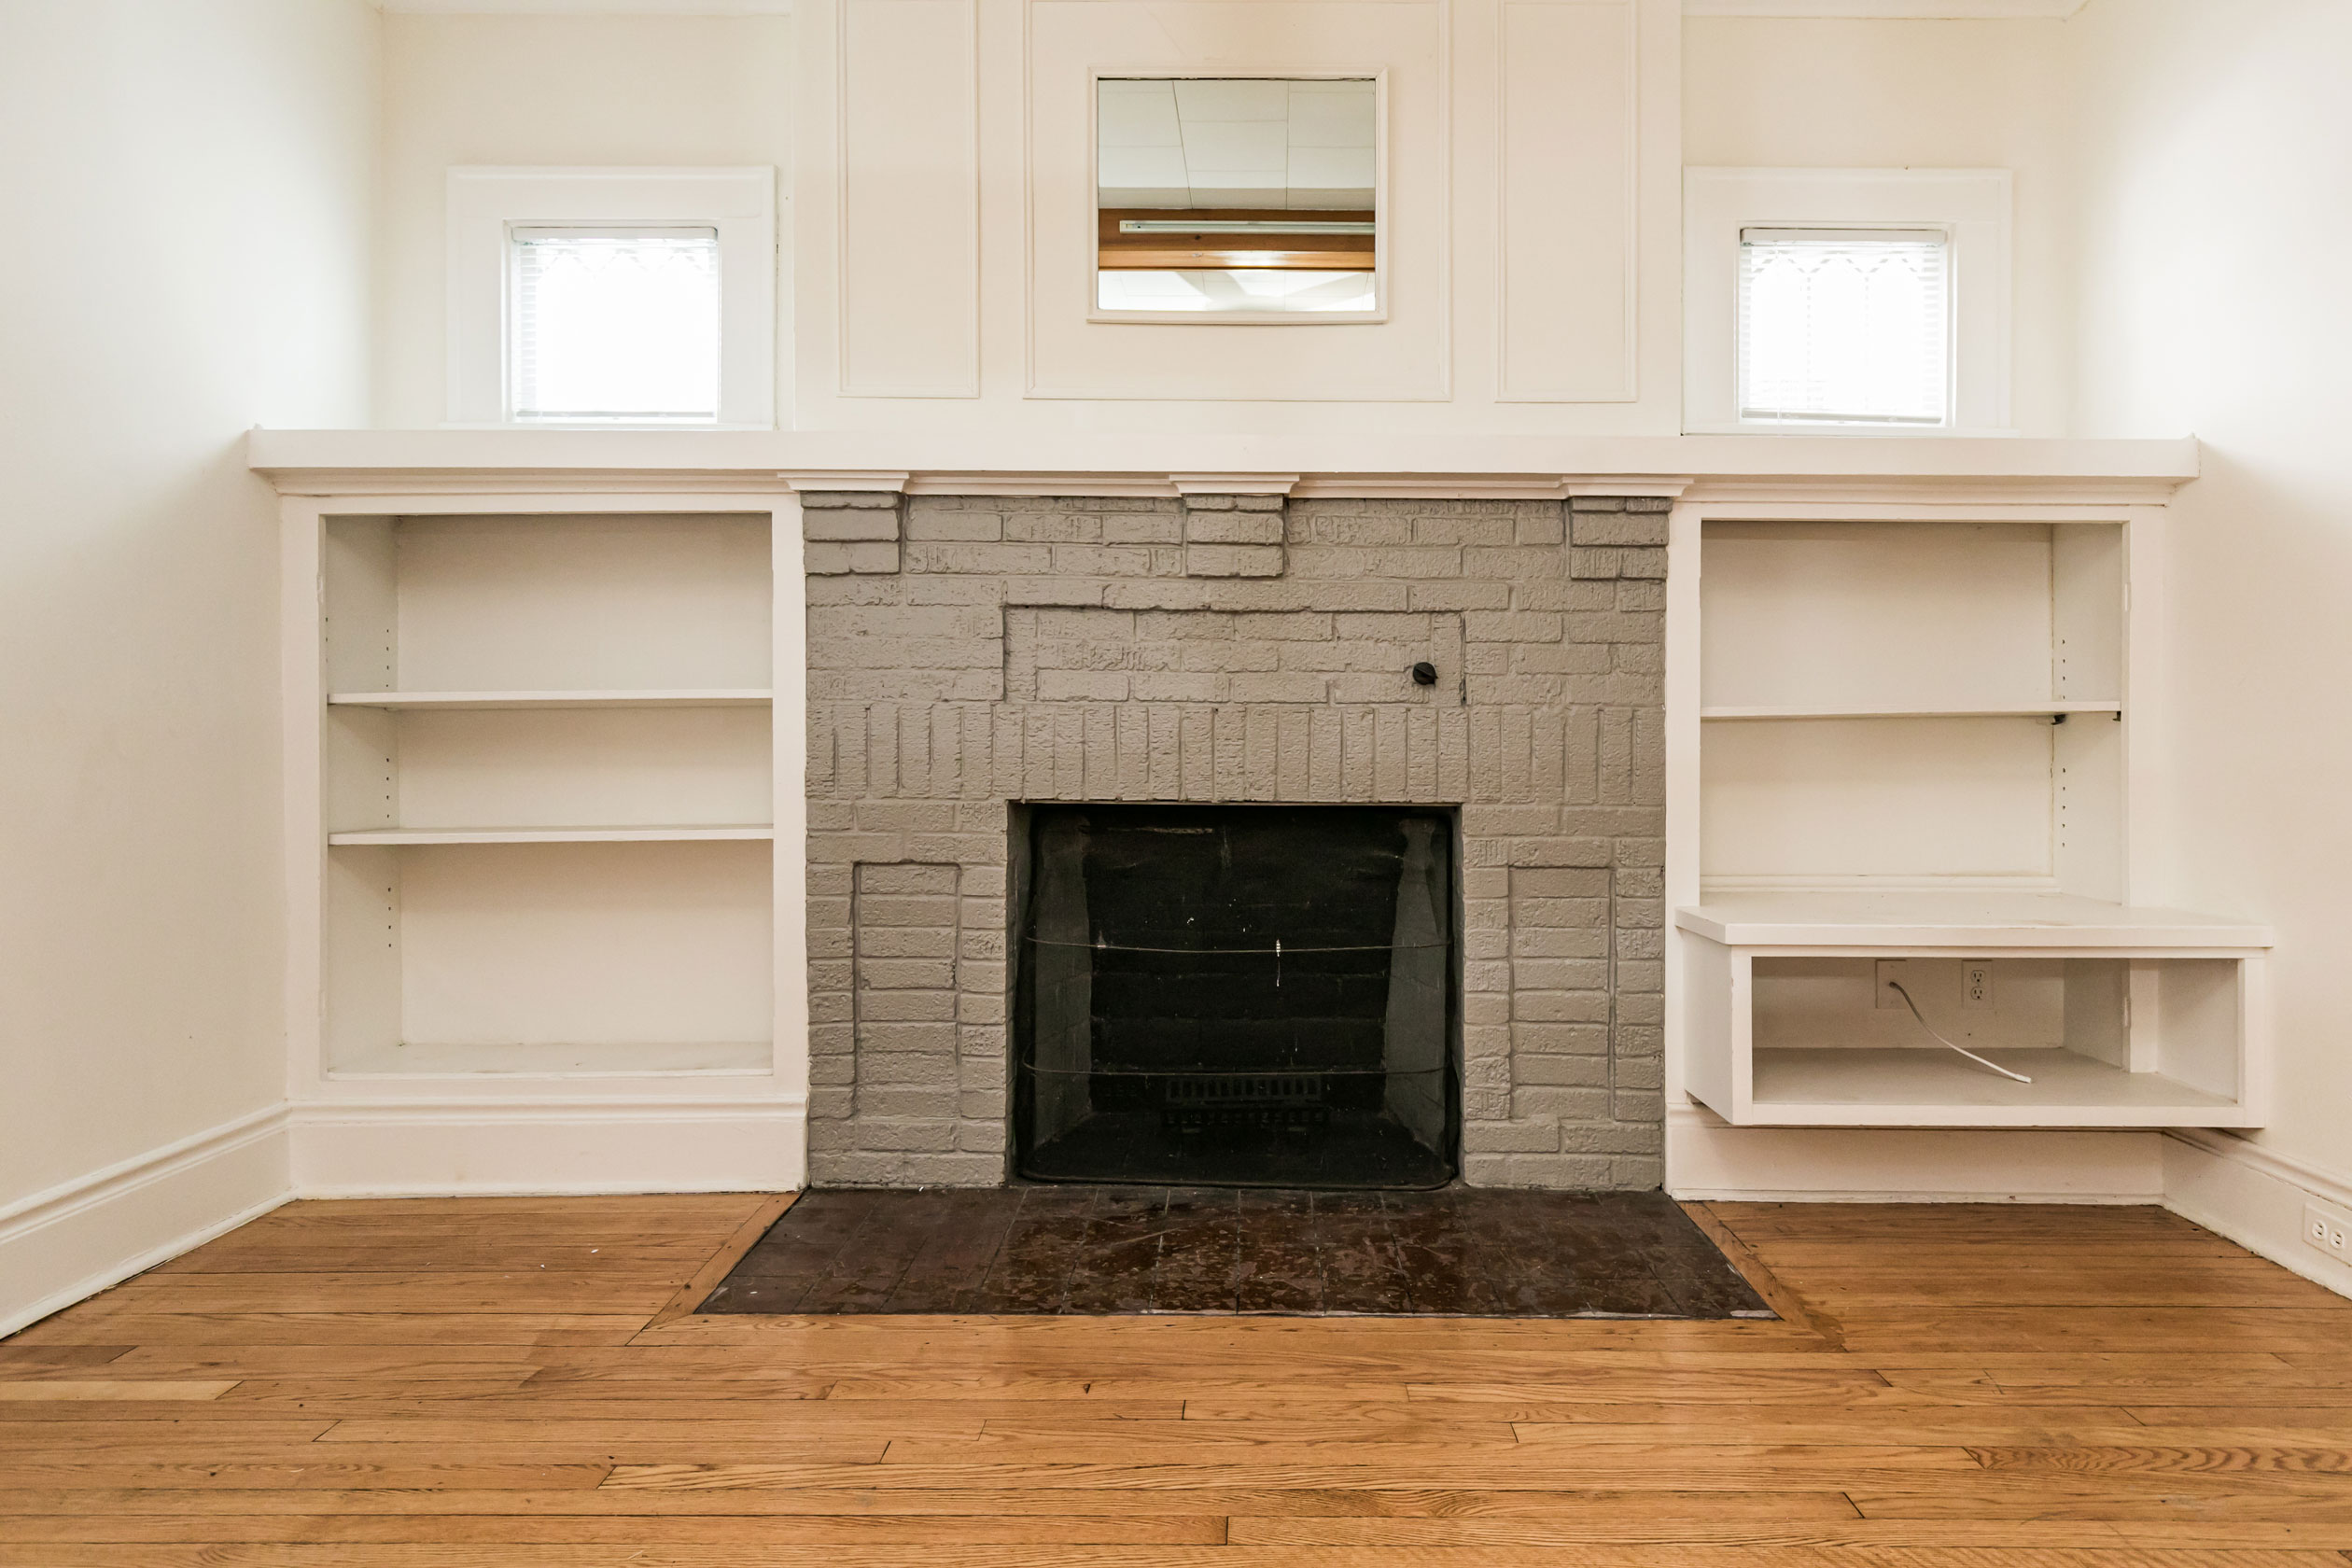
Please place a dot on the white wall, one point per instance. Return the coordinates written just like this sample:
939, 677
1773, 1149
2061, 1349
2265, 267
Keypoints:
1810, 94
186, 190
581, 91
2217, 149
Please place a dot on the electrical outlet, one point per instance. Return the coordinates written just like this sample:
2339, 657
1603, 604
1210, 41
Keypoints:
1893, 968
1976, 985
2330, 1229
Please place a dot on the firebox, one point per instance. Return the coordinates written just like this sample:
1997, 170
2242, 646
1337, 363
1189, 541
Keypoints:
1235, 996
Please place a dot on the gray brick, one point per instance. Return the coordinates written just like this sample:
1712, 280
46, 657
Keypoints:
852, 500
1619, 527
833, 560
1234, 560
849, 524
1233, 527
950, 1171
1538, 1135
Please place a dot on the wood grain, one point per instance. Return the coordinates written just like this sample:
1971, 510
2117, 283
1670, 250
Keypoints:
476, 1382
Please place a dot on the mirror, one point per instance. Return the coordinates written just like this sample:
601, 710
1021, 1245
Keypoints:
1248, 196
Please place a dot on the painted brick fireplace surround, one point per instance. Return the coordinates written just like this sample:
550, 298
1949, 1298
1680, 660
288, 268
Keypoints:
968, 653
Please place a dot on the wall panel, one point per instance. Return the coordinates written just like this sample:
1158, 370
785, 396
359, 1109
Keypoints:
1569, 222
909, 193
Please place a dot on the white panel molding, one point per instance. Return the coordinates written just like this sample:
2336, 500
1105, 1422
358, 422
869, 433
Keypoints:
74, 1239
950, 239
788, 643
2253, 1194
1233, 483
1707, 1159
1917, 10
872, 481
433, 1147
1546, 383
588, 7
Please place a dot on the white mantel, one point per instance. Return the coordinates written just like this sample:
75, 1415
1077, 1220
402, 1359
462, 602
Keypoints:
381, 462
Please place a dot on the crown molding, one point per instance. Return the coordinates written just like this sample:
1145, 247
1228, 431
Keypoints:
1891, 10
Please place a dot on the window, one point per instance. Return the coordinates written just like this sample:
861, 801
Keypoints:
614, 325
1846, 300
612, 297
1850, 327
1238, 197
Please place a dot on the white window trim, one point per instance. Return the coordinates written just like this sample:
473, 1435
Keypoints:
1376, 74
1970, 206
486, 205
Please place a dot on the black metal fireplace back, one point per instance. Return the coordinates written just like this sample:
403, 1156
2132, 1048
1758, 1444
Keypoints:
1257, 996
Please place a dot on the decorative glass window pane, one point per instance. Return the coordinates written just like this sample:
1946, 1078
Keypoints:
1845, 326
1237, 196
614, 325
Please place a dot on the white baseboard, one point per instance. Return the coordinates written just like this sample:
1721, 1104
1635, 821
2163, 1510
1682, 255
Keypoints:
1709, 1159
475, 1147
2254, 1195
79, 1237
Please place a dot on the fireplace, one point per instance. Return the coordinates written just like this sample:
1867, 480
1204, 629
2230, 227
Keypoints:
1235, 995
981, 667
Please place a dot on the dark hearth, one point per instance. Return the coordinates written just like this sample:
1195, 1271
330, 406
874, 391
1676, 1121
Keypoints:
1249, 996
1455, 1252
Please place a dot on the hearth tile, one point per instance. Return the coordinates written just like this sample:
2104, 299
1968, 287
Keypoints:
1199, 1251
1119, 1255
947, 1273
1277, 1271
1363, 1270
1031, 1272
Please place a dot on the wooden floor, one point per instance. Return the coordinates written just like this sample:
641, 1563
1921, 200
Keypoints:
455, 1384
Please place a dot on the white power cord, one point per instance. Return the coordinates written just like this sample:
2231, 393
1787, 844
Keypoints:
1896, 987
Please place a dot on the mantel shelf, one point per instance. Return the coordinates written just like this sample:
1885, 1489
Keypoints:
393, 837
1977, 710
713, 696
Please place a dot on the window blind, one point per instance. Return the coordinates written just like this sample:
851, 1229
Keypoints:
618, 325
1845, 326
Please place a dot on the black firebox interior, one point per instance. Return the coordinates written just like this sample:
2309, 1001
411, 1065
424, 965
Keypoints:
1235, 996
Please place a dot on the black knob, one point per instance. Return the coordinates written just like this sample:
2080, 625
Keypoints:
1424, 674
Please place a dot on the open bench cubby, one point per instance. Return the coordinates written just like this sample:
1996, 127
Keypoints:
1915, 749
2121, 1017
548, 795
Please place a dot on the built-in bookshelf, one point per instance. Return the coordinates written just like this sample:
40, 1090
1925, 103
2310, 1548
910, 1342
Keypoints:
1916, 756
546, 796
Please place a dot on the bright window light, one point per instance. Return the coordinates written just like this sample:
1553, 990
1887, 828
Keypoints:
614, 325
1227, 289
1845, 326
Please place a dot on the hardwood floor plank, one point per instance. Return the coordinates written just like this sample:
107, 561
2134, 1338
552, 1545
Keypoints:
85, 1389
796, 1530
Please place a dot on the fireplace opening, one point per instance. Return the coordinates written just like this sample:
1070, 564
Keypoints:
1235, 996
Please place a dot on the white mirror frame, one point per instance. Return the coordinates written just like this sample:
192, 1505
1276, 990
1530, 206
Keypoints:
1377, 75
486, 205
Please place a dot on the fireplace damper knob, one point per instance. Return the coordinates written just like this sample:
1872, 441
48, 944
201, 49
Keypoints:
1424, 674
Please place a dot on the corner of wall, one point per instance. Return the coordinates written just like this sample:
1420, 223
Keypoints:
79, 1237
2253, 1196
